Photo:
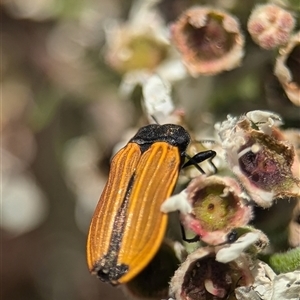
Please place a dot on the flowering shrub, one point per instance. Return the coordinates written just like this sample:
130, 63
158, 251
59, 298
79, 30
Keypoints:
257, 164
77, 74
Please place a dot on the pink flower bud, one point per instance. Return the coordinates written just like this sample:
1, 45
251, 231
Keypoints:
270, 25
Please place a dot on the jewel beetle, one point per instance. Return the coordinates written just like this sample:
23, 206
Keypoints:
127, 227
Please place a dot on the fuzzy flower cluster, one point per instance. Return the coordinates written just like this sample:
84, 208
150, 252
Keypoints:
259, 167
262, 167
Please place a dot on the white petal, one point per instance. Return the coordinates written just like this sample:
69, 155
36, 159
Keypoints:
264, 117
177, 202
232, 251
157, 97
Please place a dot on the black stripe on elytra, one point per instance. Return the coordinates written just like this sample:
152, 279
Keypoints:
107, 268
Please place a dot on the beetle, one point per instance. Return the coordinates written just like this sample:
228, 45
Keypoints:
127, 227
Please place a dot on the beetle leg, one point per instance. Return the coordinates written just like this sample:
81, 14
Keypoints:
200, 157
196, 238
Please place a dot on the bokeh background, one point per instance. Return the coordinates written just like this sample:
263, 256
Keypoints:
62, 115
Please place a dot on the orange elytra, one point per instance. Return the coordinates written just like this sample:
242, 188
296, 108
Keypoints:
128, 227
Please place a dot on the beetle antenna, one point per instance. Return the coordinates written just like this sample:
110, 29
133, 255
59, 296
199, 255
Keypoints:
154, 119
192, 161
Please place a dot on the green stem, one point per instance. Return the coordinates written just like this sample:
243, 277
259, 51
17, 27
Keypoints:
285, 262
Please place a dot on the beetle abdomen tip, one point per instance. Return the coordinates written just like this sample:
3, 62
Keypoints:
111, 273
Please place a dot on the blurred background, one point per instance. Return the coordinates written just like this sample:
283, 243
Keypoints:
62, 115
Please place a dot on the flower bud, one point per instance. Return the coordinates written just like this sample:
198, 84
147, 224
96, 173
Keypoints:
209, 40
287, 68
270, 25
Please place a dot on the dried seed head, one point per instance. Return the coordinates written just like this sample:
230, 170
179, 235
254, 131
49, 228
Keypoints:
287, 68
202, 277
263, 162
209, 40
217, 208
270, 25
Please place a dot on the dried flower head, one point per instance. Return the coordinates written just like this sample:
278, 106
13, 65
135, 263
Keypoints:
217, 208
202, 277
262, 161
287, 68
268, 285
209, 40
270, 25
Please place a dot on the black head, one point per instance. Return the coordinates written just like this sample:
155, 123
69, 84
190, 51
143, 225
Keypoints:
172, 134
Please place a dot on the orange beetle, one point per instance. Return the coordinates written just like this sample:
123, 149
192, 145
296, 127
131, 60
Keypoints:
128, 227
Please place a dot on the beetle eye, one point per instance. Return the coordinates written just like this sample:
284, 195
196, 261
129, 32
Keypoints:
232, 236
